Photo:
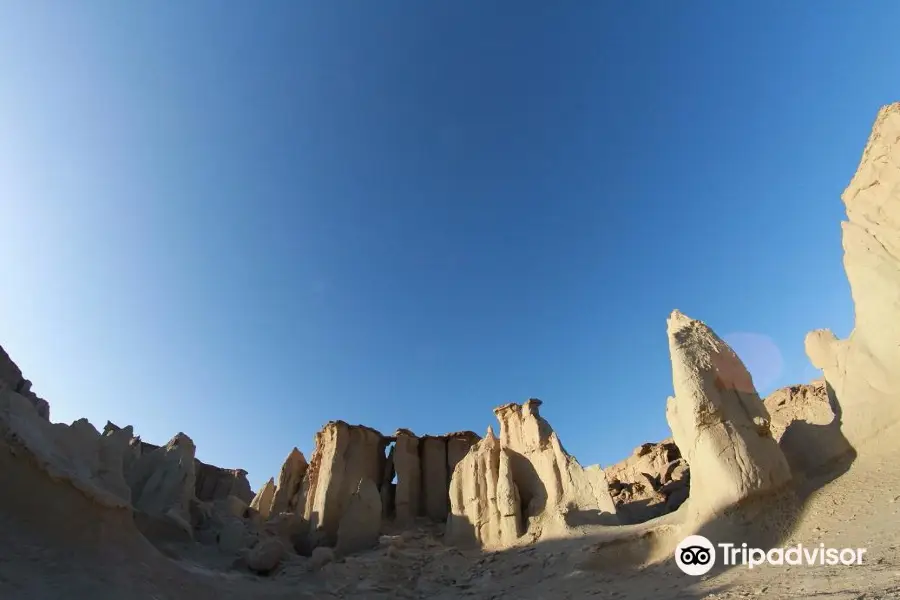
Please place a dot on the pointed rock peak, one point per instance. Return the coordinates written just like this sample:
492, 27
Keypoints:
490, 433
295, 456
404, 432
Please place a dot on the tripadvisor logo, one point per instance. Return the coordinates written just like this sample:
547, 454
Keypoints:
696, 555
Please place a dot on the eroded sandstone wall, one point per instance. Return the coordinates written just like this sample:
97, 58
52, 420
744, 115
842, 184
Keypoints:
862, 371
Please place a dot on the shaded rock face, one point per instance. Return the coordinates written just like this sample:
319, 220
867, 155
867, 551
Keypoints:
527, 463
290, 483
215, 483
344, 454
11, 378
162, 481
549, 480
262, 502
423, 466
651, 482
484, 500
806, 427
76, 454
719, 422
408, 493
862, 370
211, 483
360, 525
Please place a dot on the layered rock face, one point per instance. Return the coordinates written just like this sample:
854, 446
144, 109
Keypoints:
718, 421
863, 369
527, 463
484, 500
651, 482
262, 501
11, 378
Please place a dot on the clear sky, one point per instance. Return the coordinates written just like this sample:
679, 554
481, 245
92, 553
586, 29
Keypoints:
241, 220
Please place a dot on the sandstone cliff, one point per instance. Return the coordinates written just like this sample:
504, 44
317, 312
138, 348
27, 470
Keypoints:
863, 370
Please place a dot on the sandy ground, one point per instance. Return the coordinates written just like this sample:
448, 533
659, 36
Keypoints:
48, 555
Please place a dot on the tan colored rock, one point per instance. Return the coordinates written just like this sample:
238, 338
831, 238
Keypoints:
550, 482
290, 482
76, 454
648, 483
718, 421
408, 493
262, 502
805, 426
344, 454
162, 481
458, 445
484, 501
360, 525
863, 369
435, 478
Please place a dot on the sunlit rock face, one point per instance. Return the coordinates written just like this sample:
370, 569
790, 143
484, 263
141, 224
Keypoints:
863, 371
718, 421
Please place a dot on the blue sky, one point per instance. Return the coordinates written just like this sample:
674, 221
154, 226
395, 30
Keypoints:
242, 221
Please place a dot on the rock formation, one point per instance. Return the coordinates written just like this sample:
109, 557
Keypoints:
805, 426
11, 378
262, 502
360, 525
215, 483
290, 483
408, 493
551, 483
485, 508
77, 454
344, 454
862, 370
162, 481
651, 482
718, 421
552, 491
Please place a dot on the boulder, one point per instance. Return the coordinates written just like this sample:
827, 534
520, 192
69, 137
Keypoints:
262, 502
290, 482
408, 493
806, 427
162, 481
484, 500
344, 454
862, 370
718, 421
360, 525
266, 555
